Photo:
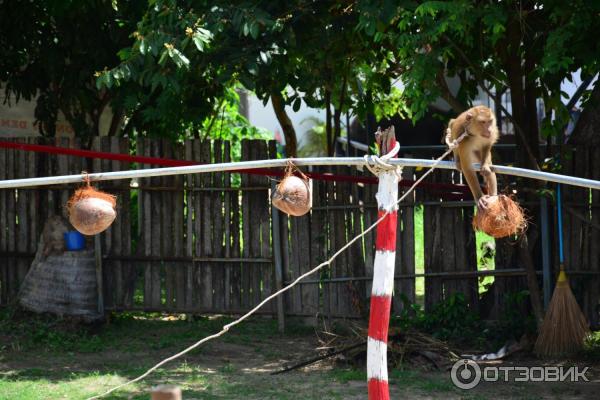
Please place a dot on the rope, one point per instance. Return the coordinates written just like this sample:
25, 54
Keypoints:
377, 165
291, 285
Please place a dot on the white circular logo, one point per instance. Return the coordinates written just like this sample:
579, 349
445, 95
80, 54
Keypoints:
465, 374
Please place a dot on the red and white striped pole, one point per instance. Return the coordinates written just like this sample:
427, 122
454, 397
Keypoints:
383, 274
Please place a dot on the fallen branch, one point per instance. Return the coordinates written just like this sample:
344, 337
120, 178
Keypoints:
313, 360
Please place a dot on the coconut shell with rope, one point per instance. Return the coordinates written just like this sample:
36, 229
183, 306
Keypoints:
292, 195
91, 211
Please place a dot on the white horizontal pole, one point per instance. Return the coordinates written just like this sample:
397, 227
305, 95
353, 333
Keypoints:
315, 161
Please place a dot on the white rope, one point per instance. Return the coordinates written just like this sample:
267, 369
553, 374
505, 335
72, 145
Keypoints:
288, 287
377, 164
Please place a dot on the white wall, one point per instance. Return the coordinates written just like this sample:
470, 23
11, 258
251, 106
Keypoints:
18, 120
264, 117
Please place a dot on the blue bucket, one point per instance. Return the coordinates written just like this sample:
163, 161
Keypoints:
74, 241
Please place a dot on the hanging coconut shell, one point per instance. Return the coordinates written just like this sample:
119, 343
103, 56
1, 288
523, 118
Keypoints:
502, 217
292, 195
90, 210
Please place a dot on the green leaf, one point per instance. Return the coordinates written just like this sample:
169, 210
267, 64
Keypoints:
124, 54
254, 30
297, 104
264, 57
178, 58
163, 57
199, 40
143, 46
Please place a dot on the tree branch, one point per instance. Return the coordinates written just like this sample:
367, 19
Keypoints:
456, 105
291, 143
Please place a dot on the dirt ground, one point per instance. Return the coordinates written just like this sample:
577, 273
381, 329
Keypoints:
237, 366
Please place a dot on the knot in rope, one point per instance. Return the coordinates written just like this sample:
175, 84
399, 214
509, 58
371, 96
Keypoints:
378, 165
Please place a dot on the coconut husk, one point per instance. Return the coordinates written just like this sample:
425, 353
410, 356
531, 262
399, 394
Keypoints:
91, 211
293, 195
503, 217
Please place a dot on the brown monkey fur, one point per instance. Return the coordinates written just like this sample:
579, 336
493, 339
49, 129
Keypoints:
480, 124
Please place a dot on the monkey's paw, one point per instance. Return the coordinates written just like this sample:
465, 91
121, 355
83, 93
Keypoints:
484, 202
486, 170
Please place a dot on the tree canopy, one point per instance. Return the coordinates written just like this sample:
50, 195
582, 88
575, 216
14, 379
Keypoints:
171, 64
52, 49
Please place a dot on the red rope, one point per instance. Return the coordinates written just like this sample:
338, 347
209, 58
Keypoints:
167, 162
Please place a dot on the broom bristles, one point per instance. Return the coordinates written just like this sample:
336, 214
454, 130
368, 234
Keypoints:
564, 328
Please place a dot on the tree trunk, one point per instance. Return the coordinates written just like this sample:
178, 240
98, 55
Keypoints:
328, 130
291, 143
532, 283
524, 112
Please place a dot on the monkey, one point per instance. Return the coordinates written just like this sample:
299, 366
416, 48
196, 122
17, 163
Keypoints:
479, 123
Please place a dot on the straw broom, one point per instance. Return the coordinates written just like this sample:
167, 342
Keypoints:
564, 328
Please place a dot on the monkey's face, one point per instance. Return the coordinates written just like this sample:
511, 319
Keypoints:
482, 122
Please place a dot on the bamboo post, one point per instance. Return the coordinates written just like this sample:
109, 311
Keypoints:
166, 392
383, 274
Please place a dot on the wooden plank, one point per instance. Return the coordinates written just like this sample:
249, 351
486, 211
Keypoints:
179, 230
156, 228
227, 199
218, 274
166, 228
405, 245
11, 225
236, 277
22, 234
434, 252
356, 254
197, 205
307, 297
129, 268
369, 218
117, 229
143, 148
108, 269
35, 214
285, 261
258, 152
341, 198
189, 225
449, 224
470, 286
331, 225
296, 297
245, 273
308, 293
267, 270
206, 215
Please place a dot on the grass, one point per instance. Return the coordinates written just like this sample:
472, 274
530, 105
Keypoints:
46, 358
